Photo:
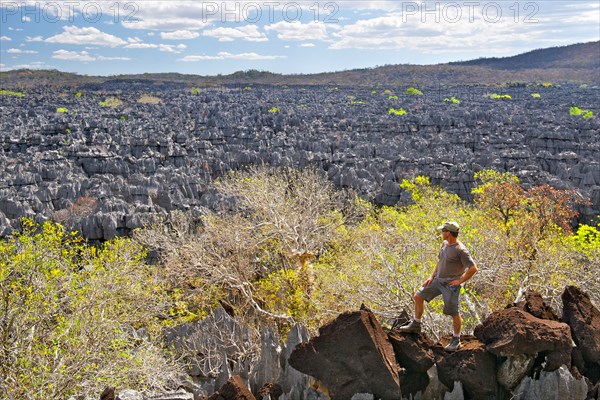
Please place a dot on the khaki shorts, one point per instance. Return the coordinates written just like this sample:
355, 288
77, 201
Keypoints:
450, 296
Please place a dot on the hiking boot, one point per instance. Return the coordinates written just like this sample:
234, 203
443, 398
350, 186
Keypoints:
453, 345
413, 327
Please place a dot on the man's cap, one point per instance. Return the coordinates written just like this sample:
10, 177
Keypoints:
451, 226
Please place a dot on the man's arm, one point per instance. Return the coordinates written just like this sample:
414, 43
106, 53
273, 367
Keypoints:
465, 277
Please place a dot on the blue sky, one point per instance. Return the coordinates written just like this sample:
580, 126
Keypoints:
221, 37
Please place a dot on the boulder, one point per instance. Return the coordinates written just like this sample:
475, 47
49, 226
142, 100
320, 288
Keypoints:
413, 356
584, 320
534, 305
233, 389
514, 332
471, 365
351, 355
512, 370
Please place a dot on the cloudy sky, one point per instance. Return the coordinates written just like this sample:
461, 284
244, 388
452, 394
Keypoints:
221, 37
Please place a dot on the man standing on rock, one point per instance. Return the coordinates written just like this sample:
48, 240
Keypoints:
454, 267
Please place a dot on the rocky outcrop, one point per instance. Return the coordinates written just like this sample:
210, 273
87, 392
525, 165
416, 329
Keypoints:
351, 355
107, 170
513, 332
513, 355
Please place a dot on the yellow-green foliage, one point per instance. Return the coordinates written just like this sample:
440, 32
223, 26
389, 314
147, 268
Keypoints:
78, 94
394, 111
111, 102
291, 254
586, 114
67, 311
536, 95
62, 110
273, 110
4, 92
452, 100
195, 91
547, 84
392, 97
413, 91
499, 96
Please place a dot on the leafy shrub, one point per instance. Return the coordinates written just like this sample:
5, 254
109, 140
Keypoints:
69, 314
195, 91
62, 110
452, 100
547, 84
536, 95
78, 94
499, 96
586, 114
273, 110
413, 91
400, 111
4, 92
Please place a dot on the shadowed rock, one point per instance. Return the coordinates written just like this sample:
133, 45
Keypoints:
584, 320
233, 389
413, 356
351, 355
471, 365
534, 305
514, 332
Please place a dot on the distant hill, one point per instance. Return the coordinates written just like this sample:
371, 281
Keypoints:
583, 55
578, 63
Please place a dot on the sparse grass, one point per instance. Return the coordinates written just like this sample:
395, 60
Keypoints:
111, 102
147, 99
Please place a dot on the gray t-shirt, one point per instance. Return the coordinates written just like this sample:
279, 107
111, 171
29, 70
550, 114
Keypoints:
453, 261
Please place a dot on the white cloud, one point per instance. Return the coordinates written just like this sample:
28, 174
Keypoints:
141, 46
87, 36
446, 35
34, 39
136, 43
25, 19
298, 31
103, 58
170, 48
249, 33
84, 56
179, 35
19, 51
72, 55
307, 45
5, 38
223, 55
